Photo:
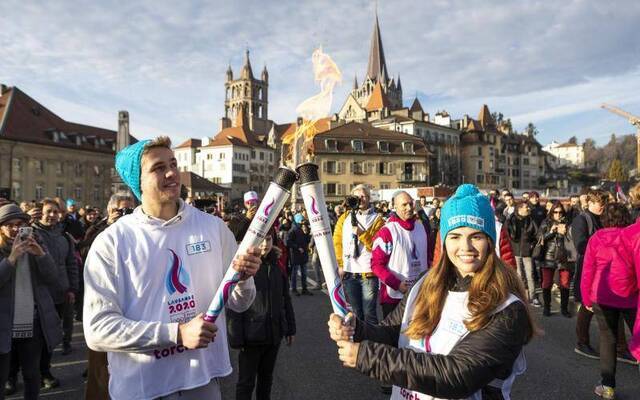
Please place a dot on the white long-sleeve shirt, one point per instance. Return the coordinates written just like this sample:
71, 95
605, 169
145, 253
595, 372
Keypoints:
143, 276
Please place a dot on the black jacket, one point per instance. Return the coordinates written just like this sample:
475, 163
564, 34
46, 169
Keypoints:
271, 316
472, 364
539, 214
296, 240
522, 234
582, 228
558, 249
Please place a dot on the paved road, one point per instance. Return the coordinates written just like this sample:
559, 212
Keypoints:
310, 368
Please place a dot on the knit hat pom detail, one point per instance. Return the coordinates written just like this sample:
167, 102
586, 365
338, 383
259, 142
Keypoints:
466, 190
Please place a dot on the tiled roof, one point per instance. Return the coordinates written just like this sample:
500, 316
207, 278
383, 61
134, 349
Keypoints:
238, 135
370, 136
189, 144
378, 99
285, 130
198, 183
24, 119
474, 126
485, 118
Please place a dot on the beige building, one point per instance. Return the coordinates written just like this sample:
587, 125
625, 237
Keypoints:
42, 155
567, 153
493, 157
356, 153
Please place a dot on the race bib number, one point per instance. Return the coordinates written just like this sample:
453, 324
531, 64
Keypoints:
200, 247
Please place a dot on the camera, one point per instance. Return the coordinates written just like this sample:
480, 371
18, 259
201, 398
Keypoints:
353, 202
124, 211
24, 232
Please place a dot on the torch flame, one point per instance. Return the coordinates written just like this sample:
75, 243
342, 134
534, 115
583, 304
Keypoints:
328, 75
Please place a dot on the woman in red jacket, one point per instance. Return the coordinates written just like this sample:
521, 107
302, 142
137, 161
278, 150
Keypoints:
609, 287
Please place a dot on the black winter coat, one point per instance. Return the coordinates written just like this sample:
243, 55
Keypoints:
296, 240
271, 316
539, 214
522, 234
558, 250
581, 231
472, 364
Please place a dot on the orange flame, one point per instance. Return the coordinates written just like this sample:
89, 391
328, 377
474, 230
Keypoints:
328, 75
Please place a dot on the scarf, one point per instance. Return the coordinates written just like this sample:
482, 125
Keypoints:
23, 304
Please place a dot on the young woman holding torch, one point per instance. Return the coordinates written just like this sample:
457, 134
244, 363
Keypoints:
460, 331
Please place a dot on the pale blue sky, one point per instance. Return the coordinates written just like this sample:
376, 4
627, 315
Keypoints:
549, 62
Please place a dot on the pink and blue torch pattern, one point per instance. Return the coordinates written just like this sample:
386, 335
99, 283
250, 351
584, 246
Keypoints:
222, 296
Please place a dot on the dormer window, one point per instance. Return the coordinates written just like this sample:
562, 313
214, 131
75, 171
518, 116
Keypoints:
357, 146
407, 147
331, 144
383, 147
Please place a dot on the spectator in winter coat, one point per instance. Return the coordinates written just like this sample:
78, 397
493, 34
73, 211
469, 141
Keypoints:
61, 247
582, 228
27, 275
574, 208
298, 239
631, 239
558, 253
522, 232
609, 287
634, 200
538, 212
477, 353
258, 331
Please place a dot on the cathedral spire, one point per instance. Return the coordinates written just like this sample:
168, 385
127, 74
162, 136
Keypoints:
377, 68
355, 81
247, 73
399, 84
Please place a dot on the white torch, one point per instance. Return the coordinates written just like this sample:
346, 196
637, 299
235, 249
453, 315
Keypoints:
269, 209
314, 203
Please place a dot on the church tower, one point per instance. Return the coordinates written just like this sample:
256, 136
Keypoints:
251, 95
377, 72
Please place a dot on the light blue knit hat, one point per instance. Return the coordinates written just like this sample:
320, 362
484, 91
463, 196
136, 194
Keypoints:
128, 164
468, 207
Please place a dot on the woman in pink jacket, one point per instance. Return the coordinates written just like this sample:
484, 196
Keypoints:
609, 288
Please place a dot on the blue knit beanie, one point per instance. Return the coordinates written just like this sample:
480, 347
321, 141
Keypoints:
468, 207
128, 164
298, 219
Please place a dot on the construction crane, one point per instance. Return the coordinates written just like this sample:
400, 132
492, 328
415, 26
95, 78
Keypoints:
633, 120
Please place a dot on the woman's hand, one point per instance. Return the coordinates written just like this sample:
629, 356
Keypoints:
18, 248
348, 353
34, 247
338, 330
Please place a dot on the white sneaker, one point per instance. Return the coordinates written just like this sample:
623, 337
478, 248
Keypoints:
606, 392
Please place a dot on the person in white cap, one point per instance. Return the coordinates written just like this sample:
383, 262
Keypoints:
251, 201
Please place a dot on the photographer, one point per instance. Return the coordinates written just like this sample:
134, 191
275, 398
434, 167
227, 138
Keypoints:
29, 319
121, 203
558, 253
353, 241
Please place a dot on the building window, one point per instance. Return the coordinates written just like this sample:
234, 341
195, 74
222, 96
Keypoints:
480, 151
39, 192
261, 156
270, 157
358, 168
78, 193
331, 144
357, 146
78, 169
330, 189
221, 156
407, 147
330, 167
17, 191
525, 161
480, 165
59, 168
209, 156
17, 164
39, 166
59, 190
480, 179
253, 154
383, 147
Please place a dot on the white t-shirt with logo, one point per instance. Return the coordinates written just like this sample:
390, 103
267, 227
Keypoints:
143, 276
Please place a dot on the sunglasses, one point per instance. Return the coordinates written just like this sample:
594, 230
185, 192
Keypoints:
558, 212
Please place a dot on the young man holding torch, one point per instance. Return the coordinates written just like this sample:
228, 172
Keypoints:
148, 279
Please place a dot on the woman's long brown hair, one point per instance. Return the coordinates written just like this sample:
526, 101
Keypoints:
490, 287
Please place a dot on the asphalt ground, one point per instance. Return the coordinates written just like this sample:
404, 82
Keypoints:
310, 369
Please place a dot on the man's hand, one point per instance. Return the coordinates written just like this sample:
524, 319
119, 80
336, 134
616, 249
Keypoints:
197, 333
248, 264
289, 340
251, 212
338, 331
70, 297
348, 353
403, 288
